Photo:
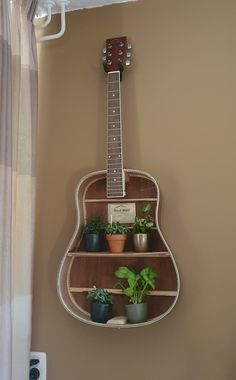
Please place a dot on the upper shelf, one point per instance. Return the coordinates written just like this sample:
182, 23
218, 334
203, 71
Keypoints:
118, 200
123, 254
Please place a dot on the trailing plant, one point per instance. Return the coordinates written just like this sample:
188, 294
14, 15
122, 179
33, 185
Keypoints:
94, 226
115, 228
143, 225
136, 286
100, 295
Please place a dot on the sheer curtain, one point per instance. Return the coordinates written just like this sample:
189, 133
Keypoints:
18, 121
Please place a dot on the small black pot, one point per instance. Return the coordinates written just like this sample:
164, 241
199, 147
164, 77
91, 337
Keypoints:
93, 242
101, 312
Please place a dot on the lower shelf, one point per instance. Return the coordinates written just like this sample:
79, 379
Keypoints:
123, 254
167, 293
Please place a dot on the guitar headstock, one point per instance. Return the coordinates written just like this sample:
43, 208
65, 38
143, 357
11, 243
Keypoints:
116, 54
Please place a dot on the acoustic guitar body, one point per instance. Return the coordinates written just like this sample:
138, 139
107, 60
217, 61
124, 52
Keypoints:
80, 270
101, 194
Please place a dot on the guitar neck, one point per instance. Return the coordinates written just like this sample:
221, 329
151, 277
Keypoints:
115, 172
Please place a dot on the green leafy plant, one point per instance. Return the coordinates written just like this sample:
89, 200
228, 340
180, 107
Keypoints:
143, 225
115, 228
94, 226
100, 295
136, 286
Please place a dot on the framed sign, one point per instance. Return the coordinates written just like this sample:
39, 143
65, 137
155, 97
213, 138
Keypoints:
121, 212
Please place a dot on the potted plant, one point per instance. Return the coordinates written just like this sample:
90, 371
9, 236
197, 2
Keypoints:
141, 227
116, 235
92, 232
101, 305
136, 286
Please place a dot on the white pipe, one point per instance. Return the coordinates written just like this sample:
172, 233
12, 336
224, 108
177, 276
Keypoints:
63, 24
45, 23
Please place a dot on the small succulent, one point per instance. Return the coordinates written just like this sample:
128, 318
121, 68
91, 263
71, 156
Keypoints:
93, 226
116, 228
100, 295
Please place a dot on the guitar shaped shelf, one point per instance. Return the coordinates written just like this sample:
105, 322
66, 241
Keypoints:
95, 192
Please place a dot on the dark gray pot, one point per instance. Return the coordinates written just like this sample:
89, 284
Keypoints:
93, 242
137, 312
101, 312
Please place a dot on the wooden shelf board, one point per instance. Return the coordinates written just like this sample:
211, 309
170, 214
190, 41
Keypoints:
166, 293
118, 200
123, 254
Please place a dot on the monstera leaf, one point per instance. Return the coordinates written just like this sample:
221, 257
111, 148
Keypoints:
134, 285
149, 276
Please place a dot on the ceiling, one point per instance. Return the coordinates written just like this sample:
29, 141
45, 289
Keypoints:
76, 4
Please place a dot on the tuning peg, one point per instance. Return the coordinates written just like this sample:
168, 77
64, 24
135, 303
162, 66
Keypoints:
104, 50
104, 59
127, 62
129, 46
128, 54
105, 67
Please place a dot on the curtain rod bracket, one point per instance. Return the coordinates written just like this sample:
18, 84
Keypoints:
62, 4
49, 4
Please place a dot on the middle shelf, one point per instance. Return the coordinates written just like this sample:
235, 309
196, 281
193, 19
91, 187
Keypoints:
123, 254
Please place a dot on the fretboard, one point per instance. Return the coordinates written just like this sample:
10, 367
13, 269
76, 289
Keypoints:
115, 173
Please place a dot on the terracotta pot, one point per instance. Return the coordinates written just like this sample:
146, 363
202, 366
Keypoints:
116, 243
